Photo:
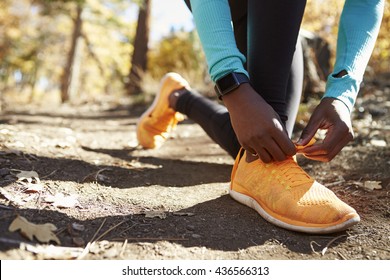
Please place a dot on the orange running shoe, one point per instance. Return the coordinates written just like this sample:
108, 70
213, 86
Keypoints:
286, 196
156, 124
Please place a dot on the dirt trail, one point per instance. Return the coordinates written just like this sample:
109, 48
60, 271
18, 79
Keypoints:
171, 203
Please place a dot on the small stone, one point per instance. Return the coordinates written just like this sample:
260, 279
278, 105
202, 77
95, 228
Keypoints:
190, 227
196, 235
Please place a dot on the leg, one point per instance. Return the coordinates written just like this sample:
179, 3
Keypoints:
273, 28
294, 88
211, 116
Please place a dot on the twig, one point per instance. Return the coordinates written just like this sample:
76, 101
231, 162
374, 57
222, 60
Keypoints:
130, 227
92, 239
123, 249
48, 175
330, 242
110, 229
342, 256
84, 252
334, 183
86, 249
311, 246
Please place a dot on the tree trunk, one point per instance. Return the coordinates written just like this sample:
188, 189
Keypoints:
66, 79
139, 58
316, 54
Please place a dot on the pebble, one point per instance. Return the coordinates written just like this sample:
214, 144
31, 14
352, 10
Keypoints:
190, 227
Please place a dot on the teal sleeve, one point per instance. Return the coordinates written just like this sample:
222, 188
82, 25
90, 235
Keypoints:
358, 29
214, 25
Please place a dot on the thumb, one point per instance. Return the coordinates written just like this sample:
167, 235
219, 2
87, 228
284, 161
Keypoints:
309, 131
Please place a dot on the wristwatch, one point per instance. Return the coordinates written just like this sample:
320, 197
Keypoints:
229, 82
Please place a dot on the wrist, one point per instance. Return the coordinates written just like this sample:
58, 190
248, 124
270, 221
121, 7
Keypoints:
229, 83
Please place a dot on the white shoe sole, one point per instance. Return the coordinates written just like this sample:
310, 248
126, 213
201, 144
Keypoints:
252, 203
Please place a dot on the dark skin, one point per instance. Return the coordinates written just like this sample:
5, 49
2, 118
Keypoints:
333, 116
261, 132
257, 126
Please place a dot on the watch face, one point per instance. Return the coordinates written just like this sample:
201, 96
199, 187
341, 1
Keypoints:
227, 83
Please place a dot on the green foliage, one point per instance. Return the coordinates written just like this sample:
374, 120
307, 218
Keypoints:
180, 52
322, 17
35, 37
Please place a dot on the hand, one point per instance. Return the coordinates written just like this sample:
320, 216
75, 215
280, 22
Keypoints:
257, 126
332, 115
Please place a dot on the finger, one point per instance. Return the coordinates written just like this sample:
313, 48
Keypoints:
309, 131
275, 151
323, 152
285, 145
321, 158
264, 156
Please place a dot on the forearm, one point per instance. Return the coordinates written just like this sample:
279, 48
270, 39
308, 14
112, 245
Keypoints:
213, 22
358, 30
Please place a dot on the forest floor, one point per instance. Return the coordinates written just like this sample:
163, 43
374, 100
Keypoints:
110, 199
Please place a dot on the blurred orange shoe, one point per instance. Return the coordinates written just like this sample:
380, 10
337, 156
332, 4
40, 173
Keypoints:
156, 124
286, 196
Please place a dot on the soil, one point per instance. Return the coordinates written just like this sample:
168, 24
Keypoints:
173, 203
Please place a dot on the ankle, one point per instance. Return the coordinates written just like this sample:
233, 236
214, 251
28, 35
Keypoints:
174, 96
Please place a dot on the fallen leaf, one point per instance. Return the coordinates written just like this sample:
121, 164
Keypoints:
43, 232
372, 185
15, 200
155, 214
33, 188
28, 176
62, 201
52, 252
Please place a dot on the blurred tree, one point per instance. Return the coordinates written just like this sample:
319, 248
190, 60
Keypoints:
68, 78
180, 52
139, 57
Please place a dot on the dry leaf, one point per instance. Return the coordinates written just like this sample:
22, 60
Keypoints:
42, 232
59, 200
29, 176
52, 252
155, 214
15, 200
33, 188
372, 185
29, 179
